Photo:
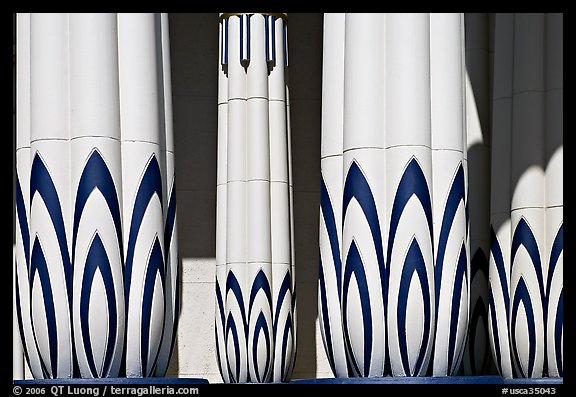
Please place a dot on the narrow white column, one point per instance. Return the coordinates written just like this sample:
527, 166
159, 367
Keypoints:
364, 173
171, 261
411, 308
284, 322
500, 198
554, 171
448, 190
221, 205
98, 286
141, 113
50, 206
237, 285
528, 273
330, 269
477, 357
17, 350
22, 248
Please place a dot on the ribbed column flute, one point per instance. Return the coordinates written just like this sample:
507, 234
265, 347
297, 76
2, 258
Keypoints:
554, 156
411, 308
330, 240
448, 136
363, 201
141, 133
255, 317
477, 357
500, 187
221, 205
98, 285
22, 248
50, 206
283, 277
171, 277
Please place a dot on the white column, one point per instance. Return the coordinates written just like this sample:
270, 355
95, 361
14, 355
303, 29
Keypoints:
255, 317
448, 190
50, 206
98, 286
22, 250
364, 173
528, 272
330, 271
500, 186
141, 132
554, 171
411, 308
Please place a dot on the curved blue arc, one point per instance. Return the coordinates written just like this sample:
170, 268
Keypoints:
170, 221
233, 285
155, 266
523, 236
288, 331
260, 283
495, 336
557, 248
414, 262
355, 266
496, 252
220, 307
455, 196
558, 324
23, 222
38, 264
151, 183
41, 182
19, 318
356, 186
330, 222
284, 288
96, 175
460, 276
261, 325
413, 182
231, 327
521, 295
98, 259
326, 318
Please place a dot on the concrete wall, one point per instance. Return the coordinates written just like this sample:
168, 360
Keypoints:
194, 52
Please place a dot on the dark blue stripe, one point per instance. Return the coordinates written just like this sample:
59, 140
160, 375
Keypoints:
326, 319
460, 275
557, 248
98, 259
23, 222
220, 307
260, 283
38, 263
558, 327
233, 285
267, 34
523, 236
414, 262
226, 41
284, 288
285, 34
231, 327
248, 35
155, 266
19, 317
355, 266
455, 196
273, 35
521, 295
496, 252
41, 182
332, 229
261, 325
151, 183
356, 186
96, 175
288, 331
